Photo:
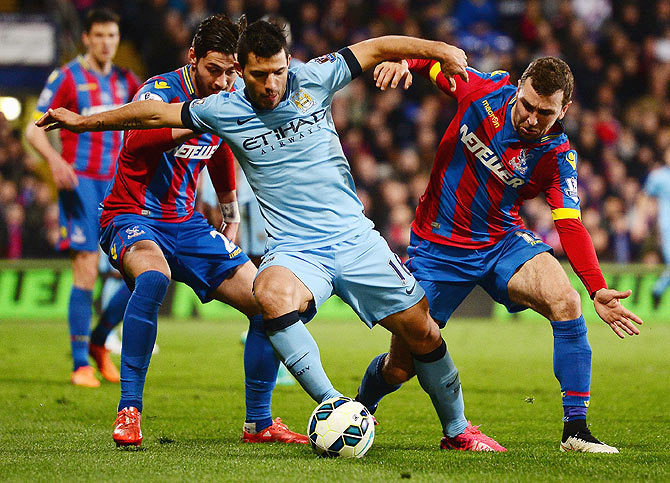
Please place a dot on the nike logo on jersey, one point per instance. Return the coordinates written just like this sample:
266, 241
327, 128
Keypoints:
488, 158
161, 85
241, 122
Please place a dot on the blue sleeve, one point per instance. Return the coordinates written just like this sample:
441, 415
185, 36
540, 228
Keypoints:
653, 186
567, 166
154, 89
562, 195
52, 90
330, 72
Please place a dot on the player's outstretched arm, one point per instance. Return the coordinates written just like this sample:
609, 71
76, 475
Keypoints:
619, 318
136, 115
395, 47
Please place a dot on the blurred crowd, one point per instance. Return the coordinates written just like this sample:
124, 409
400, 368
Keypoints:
619, 121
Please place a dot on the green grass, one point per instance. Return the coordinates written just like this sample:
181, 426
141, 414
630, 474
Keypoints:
50, 430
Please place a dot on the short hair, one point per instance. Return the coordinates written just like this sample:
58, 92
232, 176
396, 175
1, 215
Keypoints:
100, 15
264, 39
216, 33
550, 75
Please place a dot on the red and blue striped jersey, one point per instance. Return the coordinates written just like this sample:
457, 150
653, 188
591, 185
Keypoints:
77, 87
157, 178
483, 171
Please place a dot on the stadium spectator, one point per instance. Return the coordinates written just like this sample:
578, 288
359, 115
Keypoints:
618, 55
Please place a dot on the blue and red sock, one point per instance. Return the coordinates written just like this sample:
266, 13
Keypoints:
260, 374
572, 366
140, 325
79, 320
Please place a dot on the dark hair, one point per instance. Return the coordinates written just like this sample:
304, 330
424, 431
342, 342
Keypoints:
100, 15
216, 33
264, 39
550, 75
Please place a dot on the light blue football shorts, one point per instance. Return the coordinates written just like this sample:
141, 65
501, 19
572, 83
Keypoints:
362, 271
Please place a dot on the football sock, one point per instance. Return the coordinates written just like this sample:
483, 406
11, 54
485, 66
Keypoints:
260, 374
79, 319
111, 315
373, 387
140, 324
572, 366
438, 376
298, 349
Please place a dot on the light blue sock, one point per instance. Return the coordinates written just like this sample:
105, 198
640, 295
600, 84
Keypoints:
298, 349
260, 374
140, 324
373, 387
662, 283
438, 376
79, 320
572, 366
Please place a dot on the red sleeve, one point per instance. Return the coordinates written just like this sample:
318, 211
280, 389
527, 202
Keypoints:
430, 69
66, 95
221, 168
579, 248
157, 140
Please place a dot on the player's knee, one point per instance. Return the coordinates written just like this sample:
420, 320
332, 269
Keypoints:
85, 270
566, 305
422, 332
275, 299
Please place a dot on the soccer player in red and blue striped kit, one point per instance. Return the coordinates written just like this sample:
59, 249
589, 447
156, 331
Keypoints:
88, 84
504, 146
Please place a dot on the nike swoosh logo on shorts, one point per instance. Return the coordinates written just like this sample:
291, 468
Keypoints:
410, 290
240, 122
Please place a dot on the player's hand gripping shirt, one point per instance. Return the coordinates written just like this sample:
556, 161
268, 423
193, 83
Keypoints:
80, 89
484, 171
156, 177
291, 155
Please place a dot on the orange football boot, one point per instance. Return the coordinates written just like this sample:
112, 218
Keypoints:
127, 430
85, 377
105, 365
277, 433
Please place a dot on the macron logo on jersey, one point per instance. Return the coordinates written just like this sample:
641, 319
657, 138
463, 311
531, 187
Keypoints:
488, 158
188, 151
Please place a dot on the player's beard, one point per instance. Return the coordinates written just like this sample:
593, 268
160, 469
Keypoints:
202, 89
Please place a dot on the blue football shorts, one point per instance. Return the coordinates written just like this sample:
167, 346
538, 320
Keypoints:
197, 254
448, 274
78, 215
362, 271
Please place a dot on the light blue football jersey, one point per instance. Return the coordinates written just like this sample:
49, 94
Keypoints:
292, 156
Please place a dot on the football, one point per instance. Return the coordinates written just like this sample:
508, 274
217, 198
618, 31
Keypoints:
341, 427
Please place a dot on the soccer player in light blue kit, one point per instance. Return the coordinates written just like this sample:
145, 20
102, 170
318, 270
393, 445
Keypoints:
320, 243
658, 186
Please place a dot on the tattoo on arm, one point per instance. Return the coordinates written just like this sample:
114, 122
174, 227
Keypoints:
131, 123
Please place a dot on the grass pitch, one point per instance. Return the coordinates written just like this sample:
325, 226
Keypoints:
194, 409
